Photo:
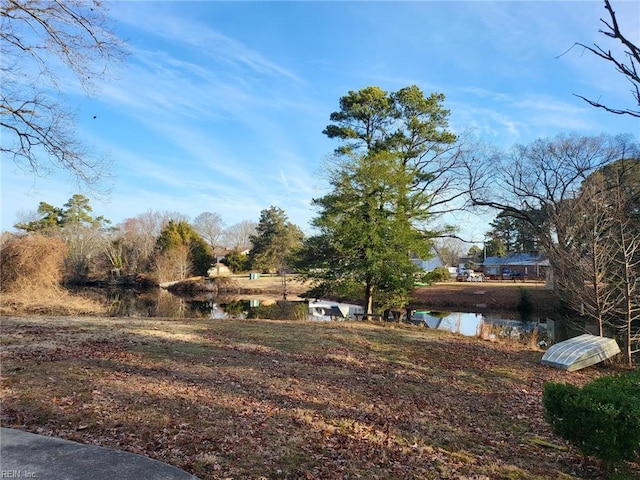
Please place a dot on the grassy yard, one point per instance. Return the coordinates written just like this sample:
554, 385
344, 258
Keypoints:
278, 399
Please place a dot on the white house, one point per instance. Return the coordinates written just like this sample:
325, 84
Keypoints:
431, 264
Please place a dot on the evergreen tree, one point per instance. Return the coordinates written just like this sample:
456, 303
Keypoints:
391, 174
195, 253
365, 239
510, 234
50, 223
274, 241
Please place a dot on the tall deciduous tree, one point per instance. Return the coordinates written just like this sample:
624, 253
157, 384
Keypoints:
585, 190
394, 170
138, 236
210, 226
616, 239
537, 183
38, 40
238, 235
450, 250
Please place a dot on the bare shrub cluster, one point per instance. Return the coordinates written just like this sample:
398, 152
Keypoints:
30, 275
33, 263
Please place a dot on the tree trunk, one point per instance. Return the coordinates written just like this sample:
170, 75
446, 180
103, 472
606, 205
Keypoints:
628, 250
368, 298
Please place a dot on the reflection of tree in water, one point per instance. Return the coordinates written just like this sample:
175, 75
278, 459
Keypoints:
165, 304
202, 306
236, 308
157, 302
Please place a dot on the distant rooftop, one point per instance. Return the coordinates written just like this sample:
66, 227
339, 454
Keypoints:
517, 259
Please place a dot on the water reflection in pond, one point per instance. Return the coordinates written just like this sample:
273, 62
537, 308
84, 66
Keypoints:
480, 324
157, 302
162, 303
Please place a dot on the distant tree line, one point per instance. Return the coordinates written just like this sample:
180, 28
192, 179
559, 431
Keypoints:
158, 246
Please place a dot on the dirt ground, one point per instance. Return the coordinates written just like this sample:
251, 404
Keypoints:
496, 295
469, 296
265, 284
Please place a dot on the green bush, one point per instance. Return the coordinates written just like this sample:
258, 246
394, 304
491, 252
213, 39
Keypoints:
236, 261
438, 274
602, 418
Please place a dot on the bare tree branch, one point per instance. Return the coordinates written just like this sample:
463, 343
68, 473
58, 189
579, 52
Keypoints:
628, 67
39, 39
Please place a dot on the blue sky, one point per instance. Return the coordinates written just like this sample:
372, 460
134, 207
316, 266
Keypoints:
221, 105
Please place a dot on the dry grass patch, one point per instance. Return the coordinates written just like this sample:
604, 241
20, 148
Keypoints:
30, 279
251, 399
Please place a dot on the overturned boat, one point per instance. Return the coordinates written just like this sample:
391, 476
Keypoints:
580, 352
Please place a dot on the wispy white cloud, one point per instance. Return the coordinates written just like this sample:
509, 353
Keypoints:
509, 118
204, 39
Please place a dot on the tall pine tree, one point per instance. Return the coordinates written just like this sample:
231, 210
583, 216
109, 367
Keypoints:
391, 172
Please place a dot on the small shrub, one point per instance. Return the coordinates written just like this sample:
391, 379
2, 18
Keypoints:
525, 307
602, 418
438, 274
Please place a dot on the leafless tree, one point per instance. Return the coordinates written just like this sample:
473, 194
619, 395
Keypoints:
237, 236
211, 227
581, 195
41, 42
139, 235
625, 243
450, 250
585, 263
174, 264
626, 66
537, 182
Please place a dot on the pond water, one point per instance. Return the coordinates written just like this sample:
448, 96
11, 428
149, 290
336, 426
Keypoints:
157, 302
485, 325
162, 303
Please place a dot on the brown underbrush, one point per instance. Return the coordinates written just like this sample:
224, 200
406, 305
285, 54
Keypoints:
30, 276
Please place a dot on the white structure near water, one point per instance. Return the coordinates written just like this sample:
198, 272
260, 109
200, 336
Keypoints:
326, 310
433, 262
580, 352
